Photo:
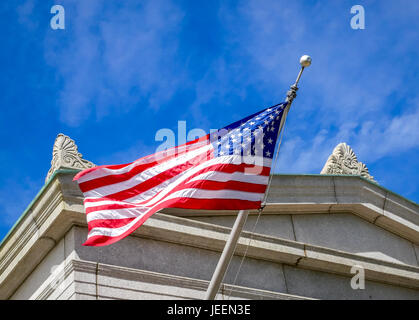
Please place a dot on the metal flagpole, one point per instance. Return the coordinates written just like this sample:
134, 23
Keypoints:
225, 258
231, 243
305, 61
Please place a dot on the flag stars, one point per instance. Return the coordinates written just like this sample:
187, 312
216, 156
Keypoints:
256, 136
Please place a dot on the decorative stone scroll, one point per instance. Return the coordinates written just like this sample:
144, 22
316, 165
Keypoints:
66, 155
344, 161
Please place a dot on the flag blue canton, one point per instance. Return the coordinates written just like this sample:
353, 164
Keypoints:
254, 135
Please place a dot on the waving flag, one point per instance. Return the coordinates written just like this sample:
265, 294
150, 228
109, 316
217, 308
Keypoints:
225, 170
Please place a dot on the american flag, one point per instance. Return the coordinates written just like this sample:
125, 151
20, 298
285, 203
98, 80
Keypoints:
225, 170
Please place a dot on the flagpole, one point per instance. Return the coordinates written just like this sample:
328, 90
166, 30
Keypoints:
237, 228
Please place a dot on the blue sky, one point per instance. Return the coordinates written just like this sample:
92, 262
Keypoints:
122, 70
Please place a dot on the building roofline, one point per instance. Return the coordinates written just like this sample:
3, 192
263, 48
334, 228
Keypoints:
69, 171
58, 207
348, 175
38, 195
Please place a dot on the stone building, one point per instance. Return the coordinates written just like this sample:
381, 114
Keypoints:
317, 235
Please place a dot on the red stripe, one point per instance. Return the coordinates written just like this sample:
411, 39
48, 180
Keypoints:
99, 240
211, 204
161, 156
225, 168
220, 167
159, 178
202, 184
87, 171
111, 179
117, 178
112, 206
184, 203
109, 223
199, 184
226, 185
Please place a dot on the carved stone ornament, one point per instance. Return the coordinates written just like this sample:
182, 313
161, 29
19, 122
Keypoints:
66, 155
343, 161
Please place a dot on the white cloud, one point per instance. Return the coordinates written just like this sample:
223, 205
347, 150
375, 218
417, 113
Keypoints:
114, 56
370, 140
123, 54
350, 91
395, 135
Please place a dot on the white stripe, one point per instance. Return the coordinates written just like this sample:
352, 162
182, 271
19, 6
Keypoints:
112, 232
216, 194
236, 176
88, 204
184, 193
116, 214
103, 172
172, 183
232, 159
147, 174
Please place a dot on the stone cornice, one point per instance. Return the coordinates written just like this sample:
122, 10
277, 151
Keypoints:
212, 237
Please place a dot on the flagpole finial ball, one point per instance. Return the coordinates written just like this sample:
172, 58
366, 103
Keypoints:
305, 61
